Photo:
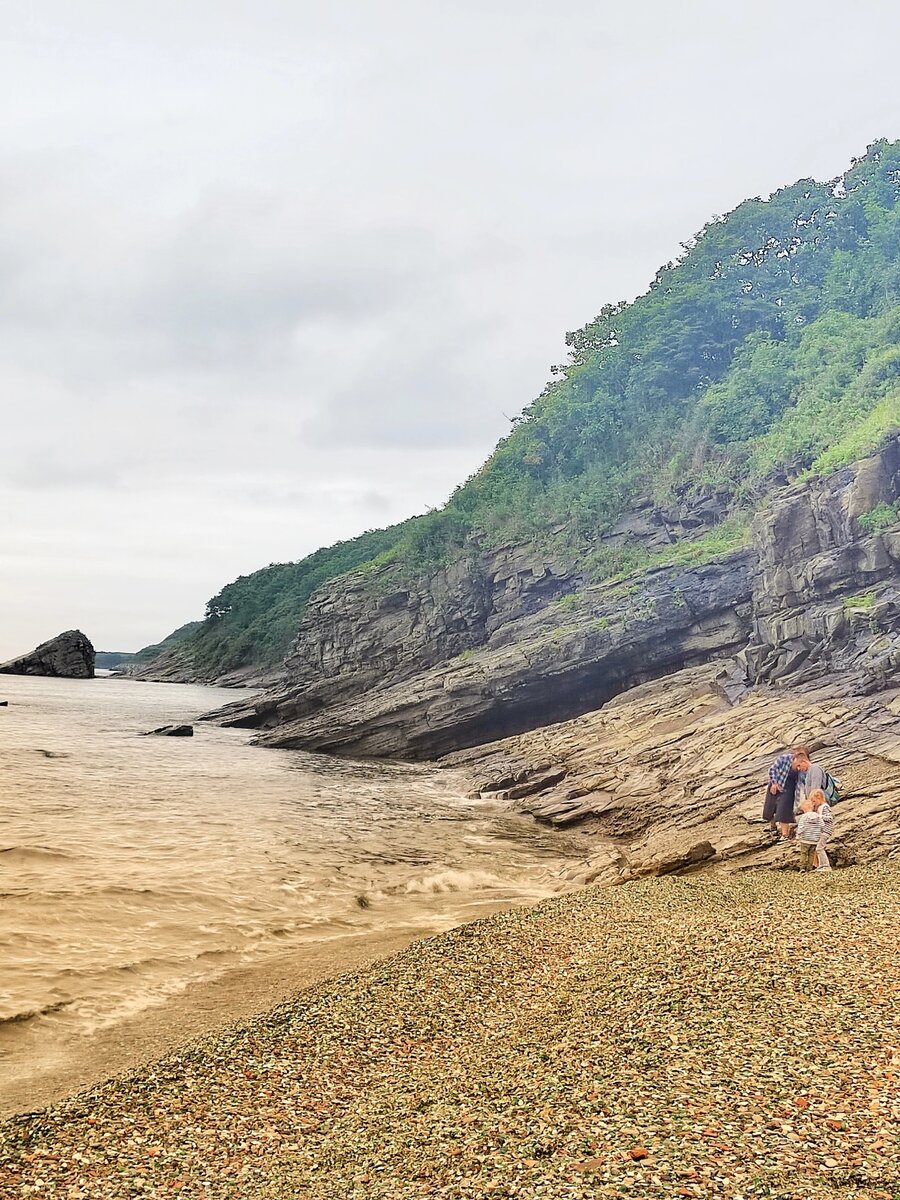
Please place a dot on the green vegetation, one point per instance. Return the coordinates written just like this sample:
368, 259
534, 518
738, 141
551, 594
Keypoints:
569, 600
771, 346
254, 619
644, 610
866, 600
108, 660
182, 634
866, 603
879, 517
769, 349
625, 560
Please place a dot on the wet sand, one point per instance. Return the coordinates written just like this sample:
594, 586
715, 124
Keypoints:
203, 1008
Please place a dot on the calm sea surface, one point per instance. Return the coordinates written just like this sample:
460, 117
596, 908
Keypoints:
131, 867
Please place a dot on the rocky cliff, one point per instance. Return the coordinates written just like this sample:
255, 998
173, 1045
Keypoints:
176, 665
69, 656
509, 641
825, 601
669, 776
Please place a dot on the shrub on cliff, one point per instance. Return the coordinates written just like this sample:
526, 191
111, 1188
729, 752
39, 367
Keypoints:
252, 620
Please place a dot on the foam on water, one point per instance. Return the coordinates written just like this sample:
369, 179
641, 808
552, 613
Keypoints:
131, 867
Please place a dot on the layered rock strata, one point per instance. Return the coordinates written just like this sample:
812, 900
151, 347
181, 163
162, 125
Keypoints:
669, 776
548, 665
825, 596
509, 641
68, 656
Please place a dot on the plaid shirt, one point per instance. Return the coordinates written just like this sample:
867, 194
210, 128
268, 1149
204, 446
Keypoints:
780, 769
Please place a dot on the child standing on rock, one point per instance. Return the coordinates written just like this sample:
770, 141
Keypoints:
809, 830
823, 808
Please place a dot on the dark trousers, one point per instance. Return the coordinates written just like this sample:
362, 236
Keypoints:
770, 805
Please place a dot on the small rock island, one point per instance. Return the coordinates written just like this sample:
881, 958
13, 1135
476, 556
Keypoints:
70, 655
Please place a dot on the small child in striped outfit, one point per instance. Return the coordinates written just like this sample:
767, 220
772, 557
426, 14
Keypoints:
823, 808
809, 830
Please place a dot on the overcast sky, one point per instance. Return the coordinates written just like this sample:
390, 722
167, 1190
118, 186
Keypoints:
275, 272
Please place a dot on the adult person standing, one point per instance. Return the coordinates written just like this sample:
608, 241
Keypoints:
785, 817
781, 792
812, 776
778, 774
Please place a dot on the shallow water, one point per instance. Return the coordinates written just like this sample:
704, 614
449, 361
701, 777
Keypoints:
131, 867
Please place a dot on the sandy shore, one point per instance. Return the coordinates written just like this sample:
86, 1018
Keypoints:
68, 1066
699, 1036
202, 1008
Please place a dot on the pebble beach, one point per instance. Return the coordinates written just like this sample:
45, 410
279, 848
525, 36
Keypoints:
705, 1035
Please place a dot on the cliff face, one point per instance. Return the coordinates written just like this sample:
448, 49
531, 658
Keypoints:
507, 641
825, 598
670, 775
510, 641
366, 630
176, 664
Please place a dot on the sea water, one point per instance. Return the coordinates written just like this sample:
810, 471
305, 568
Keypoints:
132, 867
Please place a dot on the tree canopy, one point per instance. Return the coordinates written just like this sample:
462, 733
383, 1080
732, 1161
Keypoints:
770, 345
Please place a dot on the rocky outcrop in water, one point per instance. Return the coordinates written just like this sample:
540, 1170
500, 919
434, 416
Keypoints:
68, 656
511, 641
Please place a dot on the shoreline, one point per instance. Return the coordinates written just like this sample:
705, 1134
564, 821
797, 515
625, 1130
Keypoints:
294, 849
207, 1007
609, 1042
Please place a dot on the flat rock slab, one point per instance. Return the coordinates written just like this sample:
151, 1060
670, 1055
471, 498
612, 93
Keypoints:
170, 731
661, 796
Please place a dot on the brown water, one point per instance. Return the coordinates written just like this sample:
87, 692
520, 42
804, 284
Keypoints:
134, 868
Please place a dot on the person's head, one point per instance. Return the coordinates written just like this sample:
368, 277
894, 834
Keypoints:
801, 759
817, 798
806, 805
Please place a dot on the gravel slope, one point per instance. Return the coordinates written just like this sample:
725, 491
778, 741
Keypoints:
677, 1037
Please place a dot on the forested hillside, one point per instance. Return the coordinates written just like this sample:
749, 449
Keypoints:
770, 347
773, 342
252, 620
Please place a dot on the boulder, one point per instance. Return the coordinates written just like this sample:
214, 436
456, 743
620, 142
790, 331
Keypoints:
171, 731
68, 656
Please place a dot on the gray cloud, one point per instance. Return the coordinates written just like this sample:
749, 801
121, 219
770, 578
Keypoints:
270, 276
